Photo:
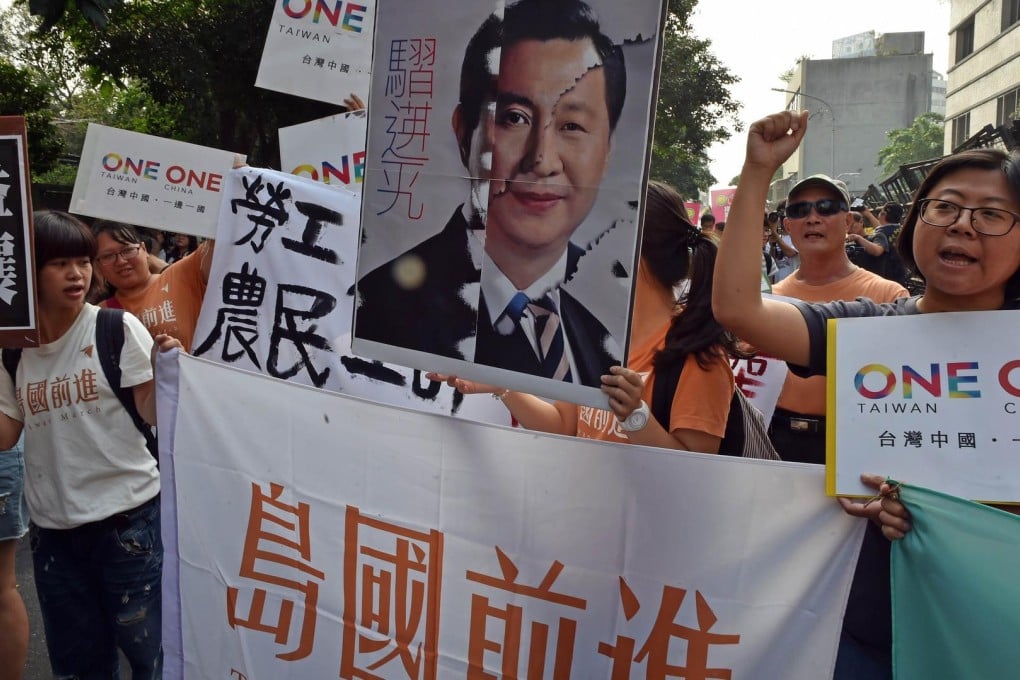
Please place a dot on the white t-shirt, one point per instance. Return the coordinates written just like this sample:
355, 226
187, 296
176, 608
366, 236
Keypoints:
84, 458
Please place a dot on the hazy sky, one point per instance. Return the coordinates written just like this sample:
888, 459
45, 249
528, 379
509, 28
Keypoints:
758, 41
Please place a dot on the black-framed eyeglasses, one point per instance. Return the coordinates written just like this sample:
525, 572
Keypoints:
988, 221
825, 207
126, 254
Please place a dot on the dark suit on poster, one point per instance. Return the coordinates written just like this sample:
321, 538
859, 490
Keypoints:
434, 318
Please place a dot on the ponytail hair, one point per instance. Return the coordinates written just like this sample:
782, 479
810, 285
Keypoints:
694, 329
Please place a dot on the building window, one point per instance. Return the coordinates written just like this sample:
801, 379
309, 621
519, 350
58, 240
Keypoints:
1010, 13
965, 39
961, 129
1007, 108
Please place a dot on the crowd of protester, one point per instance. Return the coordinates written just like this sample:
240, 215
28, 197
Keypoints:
92, 489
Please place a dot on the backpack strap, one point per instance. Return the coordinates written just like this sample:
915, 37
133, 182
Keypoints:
11, 359
109, 343
663, 390
732, 443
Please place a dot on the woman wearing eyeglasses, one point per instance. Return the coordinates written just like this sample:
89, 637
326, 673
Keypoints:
961, 237
167, 302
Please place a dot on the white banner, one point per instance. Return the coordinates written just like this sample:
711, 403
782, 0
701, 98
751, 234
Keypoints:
932, 403
329, 150
280, 296
319, 49
150, 181
324, 536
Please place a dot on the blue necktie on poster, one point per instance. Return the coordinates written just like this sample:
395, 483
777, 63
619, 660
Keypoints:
956, 599
548, 333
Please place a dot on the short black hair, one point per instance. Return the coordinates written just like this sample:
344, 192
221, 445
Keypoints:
59, 235
120, 232
707, 217
893, 212
536, 20
982, 159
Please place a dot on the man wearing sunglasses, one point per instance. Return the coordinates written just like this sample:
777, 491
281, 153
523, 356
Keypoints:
818, 218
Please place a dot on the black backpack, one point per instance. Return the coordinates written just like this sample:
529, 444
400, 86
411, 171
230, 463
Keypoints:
746, 433
109, 342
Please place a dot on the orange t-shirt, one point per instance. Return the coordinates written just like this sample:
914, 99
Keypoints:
171, 302
807, 395
701, 401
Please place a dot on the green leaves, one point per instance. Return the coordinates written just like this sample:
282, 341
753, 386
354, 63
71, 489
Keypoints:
52, 11
924, 139
694, 109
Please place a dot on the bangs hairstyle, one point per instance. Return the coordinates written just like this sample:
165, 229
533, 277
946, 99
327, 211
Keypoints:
979, 159
124, 234
59, 235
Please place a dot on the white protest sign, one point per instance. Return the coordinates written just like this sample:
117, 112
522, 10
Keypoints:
935, 403
325, 536
329, 150
18, 321
150, 181
280, 297
319, 49
761, 380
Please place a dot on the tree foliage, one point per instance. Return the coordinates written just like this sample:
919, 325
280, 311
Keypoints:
201, 89
52, 11
694, 109
919, 142
22, 95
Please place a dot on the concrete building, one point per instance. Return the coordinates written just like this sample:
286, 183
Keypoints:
881, 82
984, 71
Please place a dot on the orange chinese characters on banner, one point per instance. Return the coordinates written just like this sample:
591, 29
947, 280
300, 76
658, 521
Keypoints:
655, 650
511, 618
277, 551
392, 580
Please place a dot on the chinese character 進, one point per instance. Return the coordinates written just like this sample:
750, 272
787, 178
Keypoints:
278, 535
656, 648
392, 578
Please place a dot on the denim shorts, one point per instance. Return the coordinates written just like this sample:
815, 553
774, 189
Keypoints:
13, 508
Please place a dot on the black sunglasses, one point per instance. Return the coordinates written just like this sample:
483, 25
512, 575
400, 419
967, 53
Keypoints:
824, 207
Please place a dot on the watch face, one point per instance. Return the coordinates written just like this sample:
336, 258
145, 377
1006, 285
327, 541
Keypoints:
636, 420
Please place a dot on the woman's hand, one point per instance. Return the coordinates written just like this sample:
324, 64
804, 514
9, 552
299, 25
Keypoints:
466, 386
890, 514
623, 387
353, 103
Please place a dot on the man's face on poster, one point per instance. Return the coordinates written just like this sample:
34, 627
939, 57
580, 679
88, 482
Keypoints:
551, 144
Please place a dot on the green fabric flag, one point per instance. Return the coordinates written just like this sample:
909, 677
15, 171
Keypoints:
956, 590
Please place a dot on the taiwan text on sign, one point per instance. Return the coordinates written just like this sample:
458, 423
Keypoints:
150, 181
18, 326
319, 49
933, 404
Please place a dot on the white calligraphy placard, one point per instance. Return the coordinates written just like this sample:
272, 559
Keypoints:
319, 49
280, 296
930, 399
150, 181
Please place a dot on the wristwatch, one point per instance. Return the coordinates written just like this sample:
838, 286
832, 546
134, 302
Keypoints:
637, 419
